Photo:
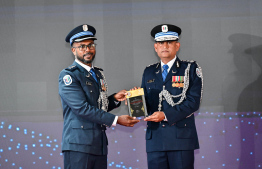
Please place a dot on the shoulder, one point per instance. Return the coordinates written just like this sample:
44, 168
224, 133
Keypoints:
98, 68
71, 68
191, 62
153, 66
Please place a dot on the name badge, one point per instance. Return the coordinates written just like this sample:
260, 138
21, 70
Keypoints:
89, 83
151, 81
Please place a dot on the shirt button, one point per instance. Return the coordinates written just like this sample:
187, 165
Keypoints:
91, 91
163, 125
82, 126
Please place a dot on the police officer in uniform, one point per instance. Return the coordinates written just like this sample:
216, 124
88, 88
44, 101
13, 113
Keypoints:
83, 92
173, 92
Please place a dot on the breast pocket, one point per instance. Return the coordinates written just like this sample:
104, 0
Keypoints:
81, 133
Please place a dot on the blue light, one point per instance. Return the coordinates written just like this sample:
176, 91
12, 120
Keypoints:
33, 132
33, 153
41, 145
17, 129
118, 152
33, 145
1, 150
244, 139
237, 159
39, 140
33, 136
223, 165
9, 148
4, 136
11, 140
13, 164
203, 156
40, 134
6, 160
46, 162
251, 153
40, 158
54, 149
10, 126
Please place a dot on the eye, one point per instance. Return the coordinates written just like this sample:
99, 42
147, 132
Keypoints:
82, 46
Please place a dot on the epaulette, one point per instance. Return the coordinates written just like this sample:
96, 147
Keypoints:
188, 61
98, 68
154, 64
71, 68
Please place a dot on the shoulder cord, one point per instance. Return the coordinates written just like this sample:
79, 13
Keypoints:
169, 98
103, 97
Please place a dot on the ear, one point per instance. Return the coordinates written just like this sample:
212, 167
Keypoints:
155, 46
177, 46
73, 50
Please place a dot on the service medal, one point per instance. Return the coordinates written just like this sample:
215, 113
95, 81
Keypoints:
103, 85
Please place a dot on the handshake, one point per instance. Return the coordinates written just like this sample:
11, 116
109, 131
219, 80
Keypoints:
126, 120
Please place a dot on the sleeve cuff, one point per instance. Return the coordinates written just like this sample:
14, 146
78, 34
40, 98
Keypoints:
115, 121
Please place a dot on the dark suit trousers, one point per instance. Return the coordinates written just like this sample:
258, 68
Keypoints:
79, 160
171, 160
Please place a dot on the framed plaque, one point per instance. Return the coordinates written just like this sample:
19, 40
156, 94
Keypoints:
136, 103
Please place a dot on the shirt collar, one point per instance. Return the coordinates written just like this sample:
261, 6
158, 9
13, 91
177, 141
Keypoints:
83, 65
170, 64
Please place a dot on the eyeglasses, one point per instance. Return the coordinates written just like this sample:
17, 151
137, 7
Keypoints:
84, 47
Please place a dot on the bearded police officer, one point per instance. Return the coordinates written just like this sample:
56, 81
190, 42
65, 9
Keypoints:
173, 92
83, 91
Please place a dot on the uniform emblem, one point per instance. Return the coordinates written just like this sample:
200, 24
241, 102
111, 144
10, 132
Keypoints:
178, 81
67, 80
85, 28
198, 72
164, 28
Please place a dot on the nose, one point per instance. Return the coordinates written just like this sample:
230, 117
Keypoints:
87, 49
165, 45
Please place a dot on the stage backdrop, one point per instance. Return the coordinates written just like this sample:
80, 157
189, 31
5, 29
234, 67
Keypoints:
224, 37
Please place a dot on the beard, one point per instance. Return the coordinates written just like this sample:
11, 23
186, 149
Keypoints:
85, 60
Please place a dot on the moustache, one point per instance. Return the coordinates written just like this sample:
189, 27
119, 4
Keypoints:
89, 53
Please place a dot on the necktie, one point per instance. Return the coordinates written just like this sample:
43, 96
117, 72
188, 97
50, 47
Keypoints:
164, 73
92, 71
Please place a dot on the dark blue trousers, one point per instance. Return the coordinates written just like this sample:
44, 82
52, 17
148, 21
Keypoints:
79, 160
171, 160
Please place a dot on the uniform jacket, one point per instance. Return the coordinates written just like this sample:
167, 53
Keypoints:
179, 131
84, 123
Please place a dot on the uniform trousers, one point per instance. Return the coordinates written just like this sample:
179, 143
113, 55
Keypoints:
79, 160
171, 159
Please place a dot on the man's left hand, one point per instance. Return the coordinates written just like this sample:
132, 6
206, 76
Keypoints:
156, 117
121, 95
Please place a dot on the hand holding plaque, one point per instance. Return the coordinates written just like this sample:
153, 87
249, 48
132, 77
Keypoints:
136, 103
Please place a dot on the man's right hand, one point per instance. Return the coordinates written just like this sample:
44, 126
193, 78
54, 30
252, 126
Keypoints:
126, 120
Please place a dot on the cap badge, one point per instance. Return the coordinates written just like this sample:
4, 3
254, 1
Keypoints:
164, 28
85, 28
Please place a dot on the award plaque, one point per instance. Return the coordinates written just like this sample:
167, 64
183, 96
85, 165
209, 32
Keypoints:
136, 103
